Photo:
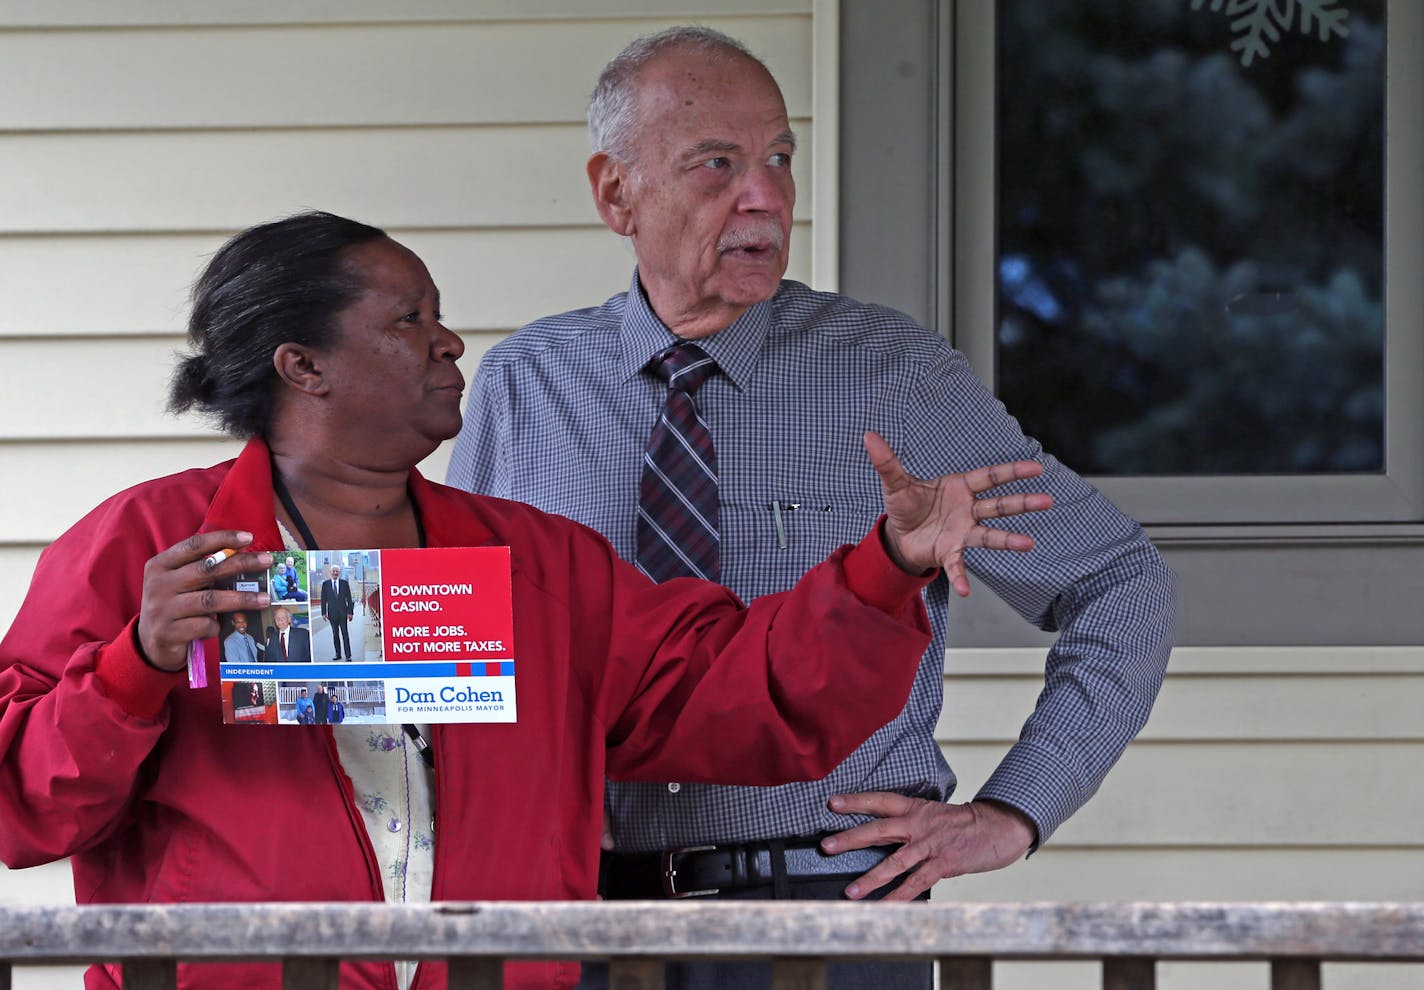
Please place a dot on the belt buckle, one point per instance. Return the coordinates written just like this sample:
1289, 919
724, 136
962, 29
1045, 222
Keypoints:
669, 872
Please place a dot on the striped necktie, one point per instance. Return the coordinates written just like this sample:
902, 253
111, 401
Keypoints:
677, 499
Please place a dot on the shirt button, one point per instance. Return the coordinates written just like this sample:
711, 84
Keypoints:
674, 788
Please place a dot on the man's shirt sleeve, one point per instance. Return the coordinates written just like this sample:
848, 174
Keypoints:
1093, 577
480, 460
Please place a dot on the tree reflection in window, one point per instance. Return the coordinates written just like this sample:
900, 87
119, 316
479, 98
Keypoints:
1190, 252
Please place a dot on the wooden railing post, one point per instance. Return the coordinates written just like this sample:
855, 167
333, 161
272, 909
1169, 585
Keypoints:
150, 974
1130, 973
635, 974
311, 974
798, 974
1295, 974
966, 973
476, 974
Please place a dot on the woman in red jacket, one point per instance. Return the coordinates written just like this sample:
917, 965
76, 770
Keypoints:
319, 340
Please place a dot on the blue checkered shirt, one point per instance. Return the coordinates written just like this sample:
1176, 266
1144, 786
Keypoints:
560, 412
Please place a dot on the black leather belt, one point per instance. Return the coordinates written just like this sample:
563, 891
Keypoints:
706, 870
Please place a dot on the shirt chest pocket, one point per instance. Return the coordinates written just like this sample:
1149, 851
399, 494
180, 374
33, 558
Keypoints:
791, 533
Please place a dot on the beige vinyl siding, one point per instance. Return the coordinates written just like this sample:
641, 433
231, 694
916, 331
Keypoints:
491, 280
143, 13
458, 73
484, 177
1253, 761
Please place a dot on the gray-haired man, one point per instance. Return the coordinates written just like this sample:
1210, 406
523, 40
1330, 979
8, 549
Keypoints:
692, 155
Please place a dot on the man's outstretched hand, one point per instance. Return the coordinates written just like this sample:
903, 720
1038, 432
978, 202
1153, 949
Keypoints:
930, 523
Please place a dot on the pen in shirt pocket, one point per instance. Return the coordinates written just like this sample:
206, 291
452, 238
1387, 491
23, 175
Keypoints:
779, 508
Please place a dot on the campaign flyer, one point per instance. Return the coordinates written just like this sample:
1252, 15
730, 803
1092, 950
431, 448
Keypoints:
373, 636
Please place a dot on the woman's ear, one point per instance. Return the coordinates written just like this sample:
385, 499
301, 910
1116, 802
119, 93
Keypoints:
300, 368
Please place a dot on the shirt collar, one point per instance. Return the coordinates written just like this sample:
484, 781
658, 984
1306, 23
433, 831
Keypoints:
735, 349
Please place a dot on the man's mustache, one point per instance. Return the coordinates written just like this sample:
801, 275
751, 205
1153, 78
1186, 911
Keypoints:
764, 234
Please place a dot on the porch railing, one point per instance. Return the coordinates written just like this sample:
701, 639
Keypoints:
476, 938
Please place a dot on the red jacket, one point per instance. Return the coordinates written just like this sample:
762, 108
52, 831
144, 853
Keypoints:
133, 775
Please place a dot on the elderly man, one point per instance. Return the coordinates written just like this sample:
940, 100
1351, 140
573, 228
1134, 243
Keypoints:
773, 384
337, 607
286, 643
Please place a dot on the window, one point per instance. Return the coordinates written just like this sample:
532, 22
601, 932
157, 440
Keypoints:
1303, 531
1281, 408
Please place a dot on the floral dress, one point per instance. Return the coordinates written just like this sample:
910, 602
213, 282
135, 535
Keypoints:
395, 791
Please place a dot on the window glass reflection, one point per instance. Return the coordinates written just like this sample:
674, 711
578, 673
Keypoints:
1190, 248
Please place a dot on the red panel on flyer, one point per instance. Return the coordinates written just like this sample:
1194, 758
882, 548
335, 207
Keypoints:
447, 603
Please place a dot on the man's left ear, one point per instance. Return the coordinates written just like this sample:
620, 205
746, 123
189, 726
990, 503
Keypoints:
300, 368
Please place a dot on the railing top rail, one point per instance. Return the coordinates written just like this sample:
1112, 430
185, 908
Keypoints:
583, 930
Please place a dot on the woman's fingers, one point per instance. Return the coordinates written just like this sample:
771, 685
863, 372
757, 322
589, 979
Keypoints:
179, 597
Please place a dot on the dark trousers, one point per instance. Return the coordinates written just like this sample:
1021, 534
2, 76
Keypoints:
852, 975
339, 632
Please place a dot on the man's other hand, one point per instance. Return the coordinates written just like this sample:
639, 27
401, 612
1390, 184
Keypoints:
936, 840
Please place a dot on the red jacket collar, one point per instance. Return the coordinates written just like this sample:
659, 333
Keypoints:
244, 501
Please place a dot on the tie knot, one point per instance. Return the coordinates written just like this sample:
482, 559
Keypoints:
683, 366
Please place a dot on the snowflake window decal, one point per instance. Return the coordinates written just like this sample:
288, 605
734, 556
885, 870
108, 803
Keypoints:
1261, 22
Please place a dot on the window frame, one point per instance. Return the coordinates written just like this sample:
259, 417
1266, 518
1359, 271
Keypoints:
908, 242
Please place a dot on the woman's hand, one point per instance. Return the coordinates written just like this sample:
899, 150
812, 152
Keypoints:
929, 523
179, 600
